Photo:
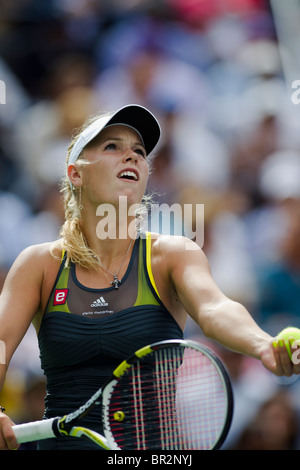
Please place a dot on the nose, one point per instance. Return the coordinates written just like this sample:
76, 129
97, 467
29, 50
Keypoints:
130, 155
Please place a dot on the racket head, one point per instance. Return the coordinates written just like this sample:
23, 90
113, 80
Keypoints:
171, 395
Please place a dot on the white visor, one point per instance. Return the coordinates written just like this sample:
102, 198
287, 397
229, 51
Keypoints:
134, 116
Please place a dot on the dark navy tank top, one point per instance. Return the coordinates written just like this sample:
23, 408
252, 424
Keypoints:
85, 333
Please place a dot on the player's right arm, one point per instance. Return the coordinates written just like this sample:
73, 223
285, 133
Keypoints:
20, 301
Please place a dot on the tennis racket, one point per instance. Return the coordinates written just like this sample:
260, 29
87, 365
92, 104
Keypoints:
170, 395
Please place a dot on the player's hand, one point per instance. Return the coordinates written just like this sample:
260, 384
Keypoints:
7, 436
275, 358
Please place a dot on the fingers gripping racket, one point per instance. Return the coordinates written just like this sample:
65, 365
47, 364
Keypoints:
171, 395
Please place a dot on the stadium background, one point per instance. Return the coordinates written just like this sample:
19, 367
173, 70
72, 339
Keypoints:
213, 72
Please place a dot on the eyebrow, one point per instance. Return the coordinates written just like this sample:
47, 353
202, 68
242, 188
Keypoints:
119, 140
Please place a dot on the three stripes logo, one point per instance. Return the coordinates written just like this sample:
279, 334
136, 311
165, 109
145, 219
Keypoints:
101, 302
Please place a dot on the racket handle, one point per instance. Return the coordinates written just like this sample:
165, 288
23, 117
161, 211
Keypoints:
34, 431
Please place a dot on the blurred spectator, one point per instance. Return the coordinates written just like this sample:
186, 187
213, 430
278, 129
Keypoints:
274, 427
14, 213
15, 96
279, 279
41, 149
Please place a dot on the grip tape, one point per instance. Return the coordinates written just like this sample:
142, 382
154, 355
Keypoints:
34, 431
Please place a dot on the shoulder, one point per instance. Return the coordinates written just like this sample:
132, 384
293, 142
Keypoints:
173, 253
170, 245
40, 256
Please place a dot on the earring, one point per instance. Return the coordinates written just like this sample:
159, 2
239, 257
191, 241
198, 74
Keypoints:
80, 206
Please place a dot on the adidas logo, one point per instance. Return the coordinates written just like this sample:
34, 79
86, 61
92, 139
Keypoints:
99, 303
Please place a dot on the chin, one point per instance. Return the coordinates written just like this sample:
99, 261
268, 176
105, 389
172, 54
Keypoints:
132, 197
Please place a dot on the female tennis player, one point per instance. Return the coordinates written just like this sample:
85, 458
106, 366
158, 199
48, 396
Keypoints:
104, 288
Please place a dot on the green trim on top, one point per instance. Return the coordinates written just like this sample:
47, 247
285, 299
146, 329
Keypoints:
144, 296
62, 283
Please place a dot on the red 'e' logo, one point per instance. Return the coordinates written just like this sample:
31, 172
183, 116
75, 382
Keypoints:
60, 296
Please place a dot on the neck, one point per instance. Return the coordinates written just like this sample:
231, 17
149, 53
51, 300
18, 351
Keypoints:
107, 238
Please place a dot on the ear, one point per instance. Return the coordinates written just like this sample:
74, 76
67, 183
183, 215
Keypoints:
74, 175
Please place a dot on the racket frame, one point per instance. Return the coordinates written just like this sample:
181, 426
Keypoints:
144, 351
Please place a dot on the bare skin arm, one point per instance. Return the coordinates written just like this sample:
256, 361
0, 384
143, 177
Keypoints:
20, 301
220, 318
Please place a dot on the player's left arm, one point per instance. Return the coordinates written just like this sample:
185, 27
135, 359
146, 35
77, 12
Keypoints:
219, 317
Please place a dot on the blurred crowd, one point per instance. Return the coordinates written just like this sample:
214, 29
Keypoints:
211, 70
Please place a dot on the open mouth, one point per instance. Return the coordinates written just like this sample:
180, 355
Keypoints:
128, 175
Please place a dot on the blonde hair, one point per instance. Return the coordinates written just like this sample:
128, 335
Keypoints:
73, 241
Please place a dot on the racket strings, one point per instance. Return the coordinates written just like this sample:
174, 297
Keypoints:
174, 399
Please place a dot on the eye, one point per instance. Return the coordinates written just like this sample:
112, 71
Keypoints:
110, 146
141, 151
